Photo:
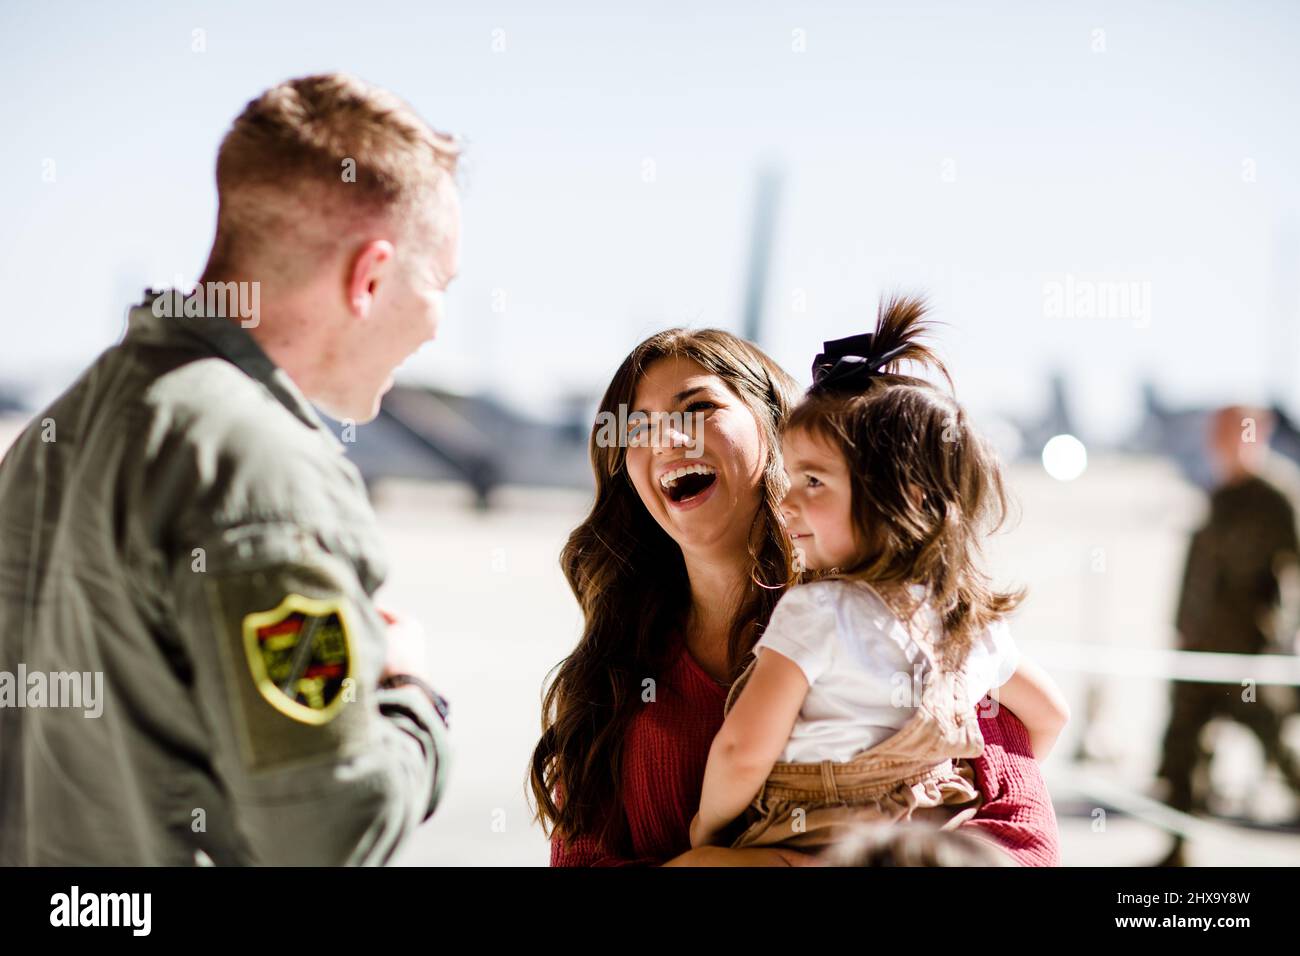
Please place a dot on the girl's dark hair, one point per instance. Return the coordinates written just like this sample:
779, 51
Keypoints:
926, 488
630, 579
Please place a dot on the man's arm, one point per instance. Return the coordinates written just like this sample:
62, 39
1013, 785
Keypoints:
1197, 591
322, 766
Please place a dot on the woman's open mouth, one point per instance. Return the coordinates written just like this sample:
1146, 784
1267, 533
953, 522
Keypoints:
688, 485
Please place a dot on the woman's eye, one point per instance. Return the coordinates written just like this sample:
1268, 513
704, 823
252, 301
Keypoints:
702, 404
814, 482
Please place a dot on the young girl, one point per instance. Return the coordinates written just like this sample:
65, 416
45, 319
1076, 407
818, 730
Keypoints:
860, 705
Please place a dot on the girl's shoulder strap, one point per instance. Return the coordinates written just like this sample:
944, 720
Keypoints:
902, 617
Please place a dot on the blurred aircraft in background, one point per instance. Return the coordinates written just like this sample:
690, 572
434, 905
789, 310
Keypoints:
434, 433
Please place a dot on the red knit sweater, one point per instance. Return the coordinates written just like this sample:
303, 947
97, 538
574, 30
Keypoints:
668, 746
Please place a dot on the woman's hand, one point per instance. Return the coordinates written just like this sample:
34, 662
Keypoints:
700, 836
748, 856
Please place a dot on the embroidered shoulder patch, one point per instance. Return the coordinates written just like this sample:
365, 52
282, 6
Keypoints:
300, 654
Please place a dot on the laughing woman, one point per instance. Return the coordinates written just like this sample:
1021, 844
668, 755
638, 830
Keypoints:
677, 570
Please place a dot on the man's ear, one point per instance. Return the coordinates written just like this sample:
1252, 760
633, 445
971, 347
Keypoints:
370, 265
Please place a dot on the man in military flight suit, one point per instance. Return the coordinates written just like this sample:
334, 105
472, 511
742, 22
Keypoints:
181, 526
1231, 599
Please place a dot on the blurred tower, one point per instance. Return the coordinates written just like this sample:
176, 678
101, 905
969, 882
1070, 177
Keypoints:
1283, 338
760, 251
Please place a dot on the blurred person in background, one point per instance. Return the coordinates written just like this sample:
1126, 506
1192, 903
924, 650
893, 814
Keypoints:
1232, 601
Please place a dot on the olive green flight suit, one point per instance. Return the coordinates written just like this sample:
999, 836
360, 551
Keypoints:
180, 526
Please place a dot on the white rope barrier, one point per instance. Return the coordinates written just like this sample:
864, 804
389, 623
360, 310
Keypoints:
1196, 829
1136, 805
1163, 664
1200, 666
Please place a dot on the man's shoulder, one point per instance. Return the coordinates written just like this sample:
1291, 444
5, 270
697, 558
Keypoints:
1279, 478
1272, 484
211, 390
211, 407
225, 449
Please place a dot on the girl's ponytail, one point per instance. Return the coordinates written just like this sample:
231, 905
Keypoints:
901, 323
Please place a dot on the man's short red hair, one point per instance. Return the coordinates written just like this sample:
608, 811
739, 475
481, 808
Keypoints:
310, 159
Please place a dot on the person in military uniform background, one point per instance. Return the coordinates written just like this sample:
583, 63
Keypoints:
1231, 600
181, 525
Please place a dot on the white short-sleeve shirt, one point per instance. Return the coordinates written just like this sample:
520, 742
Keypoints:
858, 659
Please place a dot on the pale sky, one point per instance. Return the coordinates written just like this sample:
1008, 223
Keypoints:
982, 154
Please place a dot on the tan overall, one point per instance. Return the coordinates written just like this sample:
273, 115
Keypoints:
916, 774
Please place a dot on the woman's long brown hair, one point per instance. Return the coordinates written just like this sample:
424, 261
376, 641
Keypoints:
926, 487
630, 580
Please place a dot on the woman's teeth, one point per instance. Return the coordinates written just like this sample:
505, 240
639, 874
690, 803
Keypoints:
669, 478
687, 481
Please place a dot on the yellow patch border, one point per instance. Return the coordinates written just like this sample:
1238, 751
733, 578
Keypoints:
270, 692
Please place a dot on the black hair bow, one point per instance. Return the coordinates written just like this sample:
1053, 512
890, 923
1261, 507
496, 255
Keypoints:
849, 364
